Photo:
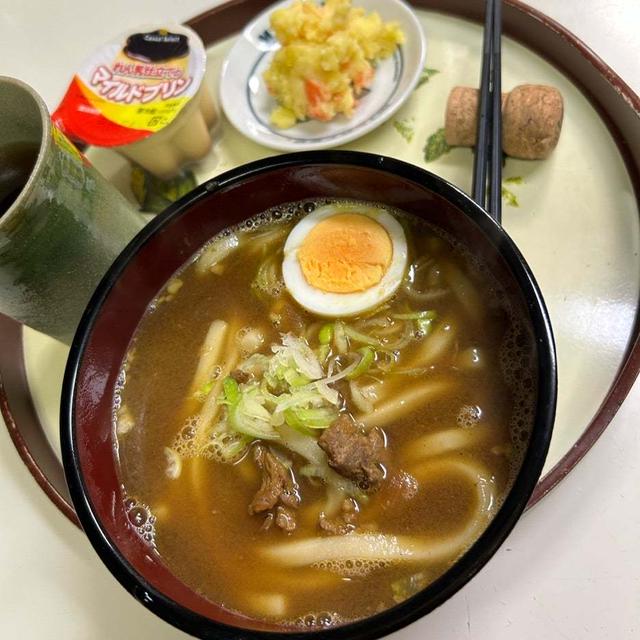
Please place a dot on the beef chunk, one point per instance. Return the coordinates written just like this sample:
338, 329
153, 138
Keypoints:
278, 483
353, 453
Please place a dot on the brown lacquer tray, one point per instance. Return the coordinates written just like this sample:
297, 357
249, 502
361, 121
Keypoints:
576, 220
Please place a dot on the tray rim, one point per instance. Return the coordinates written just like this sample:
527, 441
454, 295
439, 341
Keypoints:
229, 17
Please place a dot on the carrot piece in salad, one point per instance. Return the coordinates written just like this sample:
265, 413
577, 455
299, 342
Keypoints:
318, 97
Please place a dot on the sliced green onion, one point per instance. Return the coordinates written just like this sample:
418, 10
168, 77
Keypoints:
294, 422
231, 390
319, 418
323, 352
414, 371
424, 319
295, 378
249, 425
368, 356
363, 338
225, 446
339, 338
266, 280
325, 335
416, 315
306, 419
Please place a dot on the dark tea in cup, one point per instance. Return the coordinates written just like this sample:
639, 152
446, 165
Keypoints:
16, 163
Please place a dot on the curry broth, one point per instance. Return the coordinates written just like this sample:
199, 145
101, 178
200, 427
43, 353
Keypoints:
203, 530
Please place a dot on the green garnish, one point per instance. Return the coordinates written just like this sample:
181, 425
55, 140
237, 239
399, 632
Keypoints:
313, 418
294, 378
424, 319
291, 418
246, 415
425, 75
323, 352
415, 315
507, 195
226, 446
266, 282
231, 390
405, 128
362, 338
368, 356
436, 146
155, 195
325, 335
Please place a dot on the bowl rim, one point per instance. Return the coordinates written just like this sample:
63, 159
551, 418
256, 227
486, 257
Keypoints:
482, 549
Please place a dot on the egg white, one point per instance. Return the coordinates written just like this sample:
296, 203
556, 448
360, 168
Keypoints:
328, 304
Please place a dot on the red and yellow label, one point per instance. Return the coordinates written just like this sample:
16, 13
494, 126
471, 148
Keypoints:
132, 87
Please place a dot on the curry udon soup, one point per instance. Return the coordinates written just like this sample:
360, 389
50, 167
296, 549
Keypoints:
311, 468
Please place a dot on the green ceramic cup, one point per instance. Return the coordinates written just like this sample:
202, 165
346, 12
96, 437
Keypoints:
61, 223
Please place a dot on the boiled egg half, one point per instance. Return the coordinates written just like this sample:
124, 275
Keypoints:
344, 258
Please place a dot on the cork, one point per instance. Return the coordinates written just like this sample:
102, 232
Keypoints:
531, 120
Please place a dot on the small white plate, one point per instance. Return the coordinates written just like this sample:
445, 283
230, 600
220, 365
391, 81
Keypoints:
248, 105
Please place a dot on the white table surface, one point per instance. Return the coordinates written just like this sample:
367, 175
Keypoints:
570, 569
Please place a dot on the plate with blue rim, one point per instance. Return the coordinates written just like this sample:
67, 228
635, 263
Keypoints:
248, 105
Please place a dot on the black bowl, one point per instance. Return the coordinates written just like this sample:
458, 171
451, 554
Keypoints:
148, 262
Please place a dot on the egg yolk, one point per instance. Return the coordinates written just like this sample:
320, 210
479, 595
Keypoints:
345, 253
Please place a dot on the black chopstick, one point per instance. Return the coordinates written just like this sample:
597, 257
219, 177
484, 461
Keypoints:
483, 127
495, 166
487, 164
